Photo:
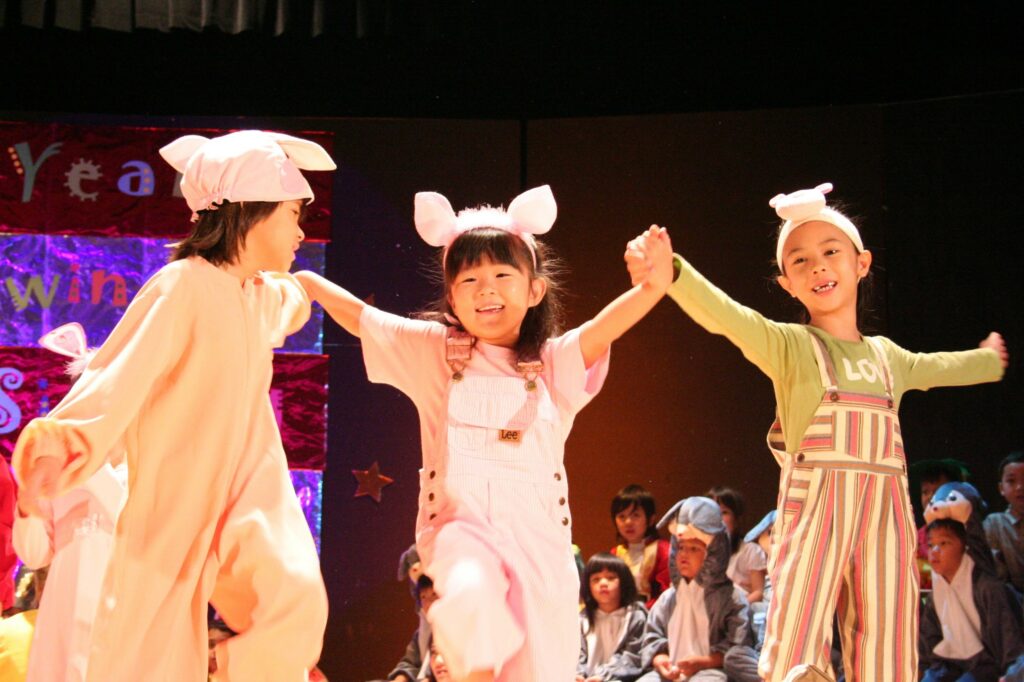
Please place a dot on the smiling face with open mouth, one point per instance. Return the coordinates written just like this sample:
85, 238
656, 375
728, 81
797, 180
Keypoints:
491, 300
821, 269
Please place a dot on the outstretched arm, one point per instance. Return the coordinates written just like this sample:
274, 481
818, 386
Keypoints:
618, 316
342, 306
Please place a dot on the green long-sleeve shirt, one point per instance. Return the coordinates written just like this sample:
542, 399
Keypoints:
783, 351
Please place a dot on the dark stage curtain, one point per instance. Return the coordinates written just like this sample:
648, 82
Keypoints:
352, 19
272, 17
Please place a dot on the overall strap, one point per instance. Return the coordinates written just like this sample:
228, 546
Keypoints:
826, 368
883, 363
458, 350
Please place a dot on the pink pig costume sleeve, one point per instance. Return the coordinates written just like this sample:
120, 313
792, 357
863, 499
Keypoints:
211, 515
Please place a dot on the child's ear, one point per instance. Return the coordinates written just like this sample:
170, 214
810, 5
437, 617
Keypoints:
538, 288
786, 285
863, 263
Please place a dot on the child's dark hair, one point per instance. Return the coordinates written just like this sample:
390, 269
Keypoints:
634, 495
943, 470
543, 320
734, 501
603, 561
865, 287
952, 525
219, 234
422, 583
1015, 457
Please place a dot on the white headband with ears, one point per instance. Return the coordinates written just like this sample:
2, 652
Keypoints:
532, 212
806, 205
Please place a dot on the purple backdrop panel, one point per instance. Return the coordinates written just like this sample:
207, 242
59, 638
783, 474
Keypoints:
298, 393
110, 181
309, 488
46, 281
32, 380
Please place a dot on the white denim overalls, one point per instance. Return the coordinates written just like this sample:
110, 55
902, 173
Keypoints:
495, 530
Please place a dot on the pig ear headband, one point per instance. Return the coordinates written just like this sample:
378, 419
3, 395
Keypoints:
532, 212
248, 165
69, 340
804, 206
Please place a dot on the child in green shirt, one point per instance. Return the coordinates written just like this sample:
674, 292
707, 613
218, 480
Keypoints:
844, 541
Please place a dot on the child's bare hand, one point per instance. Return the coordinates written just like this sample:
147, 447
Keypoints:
690, 666
996, 343
663, 664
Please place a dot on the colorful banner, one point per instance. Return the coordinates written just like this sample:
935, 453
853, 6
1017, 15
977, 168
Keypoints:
46, 281
111, 181
32, 381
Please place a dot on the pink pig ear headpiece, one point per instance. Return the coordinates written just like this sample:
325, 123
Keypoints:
69, 340
532, 212
248, 165
804, 206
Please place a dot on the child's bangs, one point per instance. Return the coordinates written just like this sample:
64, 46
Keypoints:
605, 562
486, 243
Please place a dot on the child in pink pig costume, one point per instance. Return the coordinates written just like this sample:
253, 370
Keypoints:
184, 378
496, 396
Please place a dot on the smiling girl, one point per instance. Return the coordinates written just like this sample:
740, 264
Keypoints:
497, 389
844, 539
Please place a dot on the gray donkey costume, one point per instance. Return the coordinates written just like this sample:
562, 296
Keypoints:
726, 606
998, 611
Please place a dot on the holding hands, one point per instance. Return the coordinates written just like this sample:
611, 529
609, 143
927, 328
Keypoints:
649, 259
996, 343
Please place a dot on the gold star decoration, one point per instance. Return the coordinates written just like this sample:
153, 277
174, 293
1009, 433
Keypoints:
371, 481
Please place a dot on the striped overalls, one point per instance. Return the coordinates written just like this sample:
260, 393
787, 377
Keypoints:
844, 542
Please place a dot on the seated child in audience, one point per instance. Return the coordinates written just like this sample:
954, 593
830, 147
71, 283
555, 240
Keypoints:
409, 568
438, 669
415, 663
639, 545
17, 627
927, 476
1003, 529
748, 563
761, 535
971, 627
612, 622
698, 628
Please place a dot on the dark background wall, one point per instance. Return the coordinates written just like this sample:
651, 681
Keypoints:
691, 115
682, 410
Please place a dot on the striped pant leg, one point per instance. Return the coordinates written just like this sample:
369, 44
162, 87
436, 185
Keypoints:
879, 598
815, 527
